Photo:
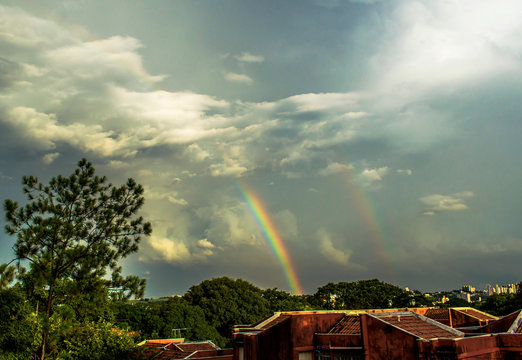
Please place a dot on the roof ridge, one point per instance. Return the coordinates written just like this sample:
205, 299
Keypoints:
381, 316
439, 324
516, 323
266, 321
461, 308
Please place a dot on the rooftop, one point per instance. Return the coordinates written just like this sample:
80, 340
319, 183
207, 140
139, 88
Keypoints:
438, 314
476, 313
419, 326
178, 350
349, 324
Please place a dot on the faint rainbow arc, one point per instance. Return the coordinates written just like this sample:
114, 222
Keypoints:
369, 220
272, 237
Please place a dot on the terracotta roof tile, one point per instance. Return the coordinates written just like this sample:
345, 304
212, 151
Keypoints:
477, 314
191, 347
175, 351
418, 327
438, 314
349, 324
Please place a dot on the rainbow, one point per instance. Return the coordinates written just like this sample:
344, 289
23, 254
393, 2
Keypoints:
368, 216
267, 227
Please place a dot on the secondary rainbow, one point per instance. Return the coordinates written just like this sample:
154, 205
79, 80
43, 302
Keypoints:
368, 216
272, 237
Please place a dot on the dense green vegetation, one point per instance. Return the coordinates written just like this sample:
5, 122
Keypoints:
500, 305
70, 235
211, 309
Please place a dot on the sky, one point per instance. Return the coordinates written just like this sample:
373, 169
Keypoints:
288, 143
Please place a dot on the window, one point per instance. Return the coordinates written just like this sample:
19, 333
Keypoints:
350, 354
322, 355
306, 355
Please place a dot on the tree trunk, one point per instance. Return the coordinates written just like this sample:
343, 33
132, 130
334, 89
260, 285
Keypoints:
45, 334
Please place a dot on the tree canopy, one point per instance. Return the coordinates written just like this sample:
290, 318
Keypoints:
71, 232
227, 302
363, 294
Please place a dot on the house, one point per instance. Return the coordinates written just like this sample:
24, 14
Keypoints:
412, 333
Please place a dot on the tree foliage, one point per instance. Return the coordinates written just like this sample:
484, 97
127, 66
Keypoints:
96, 341
71, 231
227, 302
280, 300
363, 294
161, 319
501, 305
19, 325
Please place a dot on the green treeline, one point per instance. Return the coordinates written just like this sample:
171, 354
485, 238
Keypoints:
211, 309
95, 325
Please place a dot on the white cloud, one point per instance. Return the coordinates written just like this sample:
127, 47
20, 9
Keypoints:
114, 56
238, 78
205, 244
250, 58
49, 158
441, 43
171, 196
169, 249
197, 153
354, 115
229, 167
329, 251
231, 226
453, 202
173, 199
335, 168
325, 101
372, 177
44, 132
404, 171
205, 248
168, 109
23, 30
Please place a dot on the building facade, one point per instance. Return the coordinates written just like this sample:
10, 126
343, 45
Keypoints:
417, 333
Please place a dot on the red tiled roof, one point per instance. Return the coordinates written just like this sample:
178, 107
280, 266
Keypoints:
418, 327
349, 324
191, 347
438, 314
477, 314
174, 351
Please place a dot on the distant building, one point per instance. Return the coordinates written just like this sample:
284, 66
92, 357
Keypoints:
464, 296
503, 289
469, 289
414, 333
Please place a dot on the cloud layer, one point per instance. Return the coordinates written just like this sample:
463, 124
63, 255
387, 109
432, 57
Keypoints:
407, 104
